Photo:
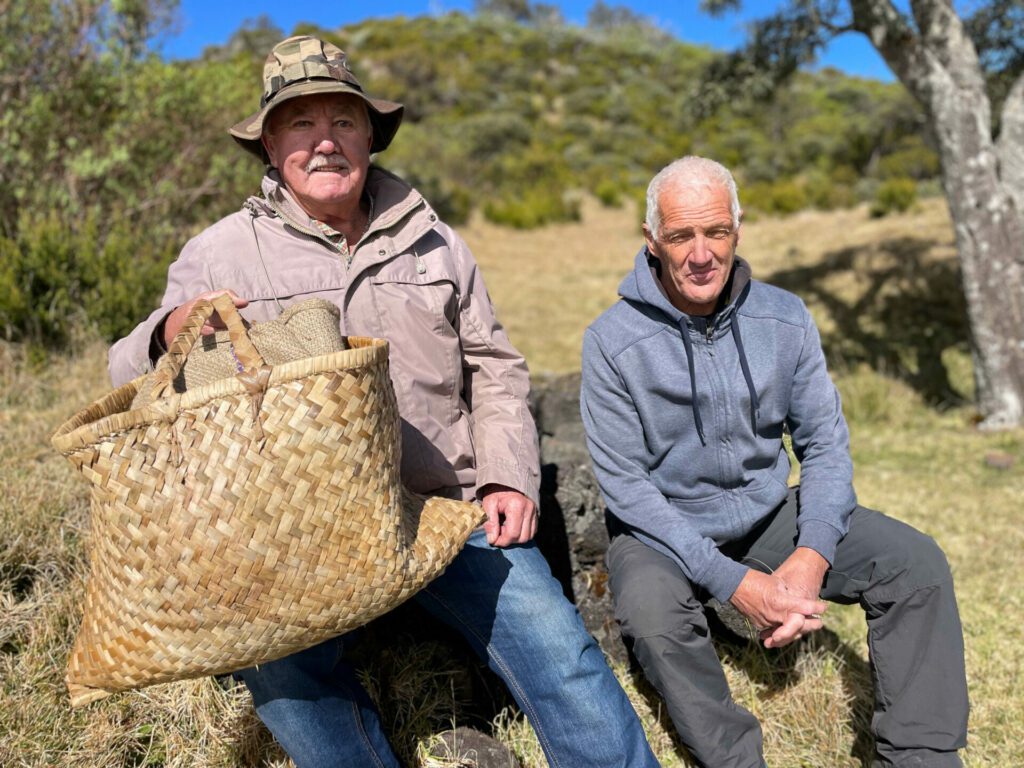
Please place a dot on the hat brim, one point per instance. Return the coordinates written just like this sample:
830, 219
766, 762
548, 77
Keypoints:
385, 116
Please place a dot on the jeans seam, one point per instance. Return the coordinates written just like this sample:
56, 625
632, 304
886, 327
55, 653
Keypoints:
363, 735
511, 679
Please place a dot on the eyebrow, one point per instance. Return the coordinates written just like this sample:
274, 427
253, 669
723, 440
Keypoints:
689, 230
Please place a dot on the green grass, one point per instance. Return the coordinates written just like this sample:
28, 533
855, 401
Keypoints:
916, 452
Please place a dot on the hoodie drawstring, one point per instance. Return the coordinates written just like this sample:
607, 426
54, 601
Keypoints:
688, 346
755, 405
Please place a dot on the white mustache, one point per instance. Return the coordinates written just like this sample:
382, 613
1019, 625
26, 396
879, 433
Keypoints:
319, 161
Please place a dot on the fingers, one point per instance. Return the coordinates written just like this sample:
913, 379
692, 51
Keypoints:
809, 607
790, 630
812, 623
492, 526
216, 323
511, 525
178, 316
511, 518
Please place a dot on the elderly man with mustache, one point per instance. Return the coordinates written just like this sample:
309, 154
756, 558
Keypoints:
329, 224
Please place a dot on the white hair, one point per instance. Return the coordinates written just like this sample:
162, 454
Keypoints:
690, 172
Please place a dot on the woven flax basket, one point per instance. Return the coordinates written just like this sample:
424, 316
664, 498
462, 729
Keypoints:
247, 519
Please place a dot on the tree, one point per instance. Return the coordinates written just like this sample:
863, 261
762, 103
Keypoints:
522, 11
960, 71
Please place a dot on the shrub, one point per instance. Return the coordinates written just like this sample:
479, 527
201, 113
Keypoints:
828, 192
911, 159
54, 275
894, 195
609, 193
535, 207
783, 196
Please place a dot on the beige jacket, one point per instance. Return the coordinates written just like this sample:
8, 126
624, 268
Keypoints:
461, 385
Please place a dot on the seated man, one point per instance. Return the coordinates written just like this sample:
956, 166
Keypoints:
329, 224
688, 385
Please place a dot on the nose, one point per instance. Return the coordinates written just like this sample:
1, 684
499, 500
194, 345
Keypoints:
326, 145
700, 253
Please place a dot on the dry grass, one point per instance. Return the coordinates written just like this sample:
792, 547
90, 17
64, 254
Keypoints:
917, 456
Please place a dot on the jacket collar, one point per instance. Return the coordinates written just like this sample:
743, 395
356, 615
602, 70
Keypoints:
401, 215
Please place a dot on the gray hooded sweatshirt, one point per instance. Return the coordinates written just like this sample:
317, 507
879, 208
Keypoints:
685, 415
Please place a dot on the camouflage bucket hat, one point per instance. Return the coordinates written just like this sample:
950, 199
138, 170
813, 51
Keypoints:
301, 66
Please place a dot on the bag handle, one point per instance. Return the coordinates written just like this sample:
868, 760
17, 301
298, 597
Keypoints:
170, 364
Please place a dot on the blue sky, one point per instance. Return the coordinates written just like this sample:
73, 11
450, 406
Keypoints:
206, 22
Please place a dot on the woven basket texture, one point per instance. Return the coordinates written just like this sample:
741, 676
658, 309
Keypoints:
247, 519
306, 329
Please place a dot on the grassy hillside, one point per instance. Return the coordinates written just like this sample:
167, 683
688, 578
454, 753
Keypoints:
518, 122
884, 294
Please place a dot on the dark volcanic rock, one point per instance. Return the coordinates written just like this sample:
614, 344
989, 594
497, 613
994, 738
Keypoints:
572, 534
469, 748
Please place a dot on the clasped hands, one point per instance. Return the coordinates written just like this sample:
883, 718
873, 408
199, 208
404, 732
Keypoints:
784, 606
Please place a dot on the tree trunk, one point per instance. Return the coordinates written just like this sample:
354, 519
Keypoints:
938, 64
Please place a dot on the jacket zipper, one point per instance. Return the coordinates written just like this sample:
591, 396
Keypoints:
295, 225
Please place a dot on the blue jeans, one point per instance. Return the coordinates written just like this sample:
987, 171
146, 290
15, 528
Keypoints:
510, 608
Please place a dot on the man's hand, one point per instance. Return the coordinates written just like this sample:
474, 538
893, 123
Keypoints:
511, 517
781, 615
177, 318
803, 572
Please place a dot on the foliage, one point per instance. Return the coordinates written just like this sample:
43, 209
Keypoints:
896, 194
532, 208
53, 277
522, 115
109, 158
997, 30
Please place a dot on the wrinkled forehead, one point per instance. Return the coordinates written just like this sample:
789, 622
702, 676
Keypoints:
331, 104
695, 204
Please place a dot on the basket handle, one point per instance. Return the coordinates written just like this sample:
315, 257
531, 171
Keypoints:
170, 364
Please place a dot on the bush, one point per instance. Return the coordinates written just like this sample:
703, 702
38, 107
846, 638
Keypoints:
784, 196
609, 193
911, 159
894, 195
533, 208
53, 276
828, 192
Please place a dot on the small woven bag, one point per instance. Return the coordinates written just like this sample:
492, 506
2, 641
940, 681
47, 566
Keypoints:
246, 519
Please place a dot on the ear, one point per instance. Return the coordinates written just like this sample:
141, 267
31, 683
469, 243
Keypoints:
652, 244
268, 145
739, 229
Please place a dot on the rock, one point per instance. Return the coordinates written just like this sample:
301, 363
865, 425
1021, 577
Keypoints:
468, 748
999, 460
572, 533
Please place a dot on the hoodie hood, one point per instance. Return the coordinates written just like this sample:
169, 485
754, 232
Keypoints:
643, 286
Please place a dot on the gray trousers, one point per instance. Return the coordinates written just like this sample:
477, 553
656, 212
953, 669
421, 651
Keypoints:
900, 578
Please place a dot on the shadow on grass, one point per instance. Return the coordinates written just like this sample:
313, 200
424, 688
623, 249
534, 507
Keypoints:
908, 309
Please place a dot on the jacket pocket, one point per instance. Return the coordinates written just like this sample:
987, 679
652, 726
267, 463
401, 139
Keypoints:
409, 302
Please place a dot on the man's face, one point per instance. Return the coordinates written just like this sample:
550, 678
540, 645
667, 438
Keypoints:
321, 146
696, 246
